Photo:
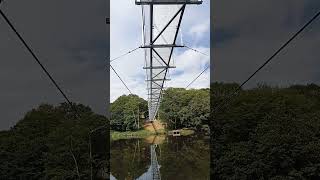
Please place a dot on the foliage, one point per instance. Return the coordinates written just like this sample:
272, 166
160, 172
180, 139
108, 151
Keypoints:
125, 112
115, 135
181, 108
43, 143
266, 133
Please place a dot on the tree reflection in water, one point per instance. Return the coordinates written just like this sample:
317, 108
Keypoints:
177, 158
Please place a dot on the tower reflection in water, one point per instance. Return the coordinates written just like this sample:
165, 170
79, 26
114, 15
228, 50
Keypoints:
160, 157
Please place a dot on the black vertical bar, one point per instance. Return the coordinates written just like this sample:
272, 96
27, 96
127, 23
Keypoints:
176, 35
174, 42
167, 25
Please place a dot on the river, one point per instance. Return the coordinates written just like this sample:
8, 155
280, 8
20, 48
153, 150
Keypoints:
160, 157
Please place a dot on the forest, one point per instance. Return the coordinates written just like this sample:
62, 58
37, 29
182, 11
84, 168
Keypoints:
265, 132
50, 142
261, 133
180, 108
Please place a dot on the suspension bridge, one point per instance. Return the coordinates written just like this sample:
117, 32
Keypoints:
161, 22
158, 50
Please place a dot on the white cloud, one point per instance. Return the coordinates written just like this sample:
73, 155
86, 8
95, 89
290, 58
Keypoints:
189, 65
200, 29
125, 35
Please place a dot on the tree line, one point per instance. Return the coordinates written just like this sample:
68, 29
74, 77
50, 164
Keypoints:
180, 108
261, 133
50, 142
265, 132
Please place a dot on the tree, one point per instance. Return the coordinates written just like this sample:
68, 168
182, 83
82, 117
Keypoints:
267, 133
125, 112
49, 143
181, 108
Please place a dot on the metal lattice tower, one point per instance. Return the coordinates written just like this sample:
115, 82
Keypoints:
160, 31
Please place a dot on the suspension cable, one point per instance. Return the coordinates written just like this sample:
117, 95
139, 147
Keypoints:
207, 67
39, 62
124, 54
270, 58
196, 50
120, 78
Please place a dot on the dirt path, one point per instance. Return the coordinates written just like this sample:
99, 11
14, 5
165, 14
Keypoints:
154, 126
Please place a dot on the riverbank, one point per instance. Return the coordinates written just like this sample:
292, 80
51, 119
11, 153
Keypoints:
140, 134
116, 135
186, 132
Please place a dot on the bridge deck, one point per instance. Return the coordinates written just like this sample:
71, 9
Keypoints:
148, 2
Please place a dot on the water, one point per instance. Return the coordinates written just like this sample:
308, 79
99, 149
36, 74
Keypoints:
171, 158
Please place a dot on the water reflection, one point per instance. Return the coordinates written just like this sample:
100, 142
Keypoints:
160, 157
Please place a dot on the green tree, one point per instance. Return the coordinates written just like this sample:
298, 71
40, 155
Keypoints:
266, 133
49, 143
126, 111
181, 108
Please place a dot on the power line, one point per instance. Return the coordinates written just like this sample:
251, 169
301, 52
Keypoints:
38, 61
272, 56
198, 76
124, 54
120, 78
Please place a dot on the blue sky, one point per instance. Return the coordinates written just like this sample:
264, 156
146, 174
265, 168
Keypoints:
125, 34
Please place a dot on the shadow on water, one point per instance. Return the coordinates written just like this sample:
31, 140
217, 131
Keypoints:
160, 157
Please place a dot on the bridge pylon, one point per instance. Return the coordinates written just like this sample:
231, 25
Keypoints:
161, 20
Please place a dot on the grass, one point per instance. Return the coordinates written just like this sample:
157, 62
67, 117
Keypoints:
186, 132
161, 131
115, 135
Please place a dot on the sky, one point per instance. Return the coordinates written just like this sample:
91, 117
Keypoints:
125, 35
70, 39
247, 32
